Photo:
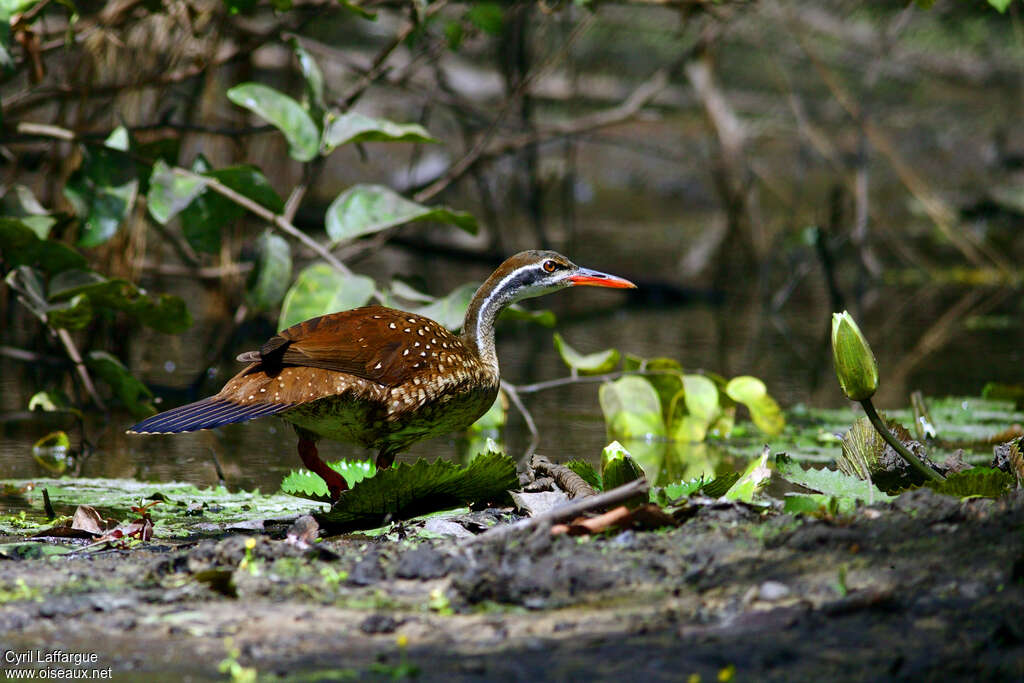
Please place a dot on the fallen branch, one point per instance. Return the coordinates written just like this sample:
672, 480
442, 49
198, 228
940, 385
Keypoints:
567, 480
615, 497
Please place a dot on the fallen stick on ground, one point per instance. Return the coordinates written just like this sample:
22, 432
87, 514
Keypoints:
571, 510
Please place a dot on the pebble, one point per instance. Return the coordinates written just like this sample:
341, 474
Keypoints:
770, 591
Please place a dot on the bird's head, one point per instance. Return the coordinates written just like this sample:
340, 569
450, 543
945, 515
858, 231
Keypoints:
534, 273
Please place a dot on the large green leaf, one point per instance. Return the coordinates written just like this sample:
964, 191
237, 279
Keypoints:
449, 310
170, 191
764, 411
248, 180
21, 246
321, 289
283, 113
365, 209
595, 363
306, 484
754, 479
132, 393
618, 467
268, 281
103, 189
342, 129
977, 482
163, 312
631, 408
19, 202
313, 77
830, 482
203, 220
409, 490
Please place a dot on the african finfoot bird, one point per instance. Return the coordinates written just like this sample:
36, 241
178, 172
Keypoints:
379, 377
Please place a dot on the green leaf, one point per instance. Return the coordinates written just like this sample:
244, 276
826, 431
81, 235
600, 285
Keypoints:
618, 466
631, 408
764, 411
269, 278
248, 180
163, 312
356, 8
313, 77
1000, 5
283, 113
977, 482
306, 484
20, 246
322, 289
754, 479
587, 472
494, 419
489, 17
204, 219
595, 363
818, 505
170, 191
542, 316
132, 393
365, 209
28, 283
409, 490
72, 315
19, 202
829, 482
701, 397
343, 129
103, 189
52, 402
449, 310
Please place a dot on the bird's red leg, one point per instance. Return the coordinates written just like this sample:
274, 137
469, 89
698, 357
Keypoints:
385, 458
311, 459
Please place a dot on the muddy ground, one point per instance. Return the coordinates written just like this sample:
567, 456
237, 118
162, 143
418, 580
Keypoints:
926, 588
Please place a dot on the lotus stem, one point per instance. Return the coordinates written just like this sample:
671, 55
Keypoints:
890, 438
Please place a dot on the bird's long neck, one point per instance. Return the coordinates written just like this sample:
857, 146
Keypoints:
495, 294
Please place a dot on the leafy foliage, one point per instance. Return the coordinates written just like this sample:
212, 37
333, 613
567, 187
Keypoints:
408, 490
586, 364
977, 482
665, 402
366, 209
321, 289
306, 484
829, 482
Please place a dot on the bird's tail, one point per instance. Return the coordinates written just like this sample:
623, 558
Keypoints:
206, 414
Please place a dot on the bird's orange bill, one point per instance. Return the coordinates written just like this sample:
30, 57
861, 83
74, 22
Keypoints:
595, 278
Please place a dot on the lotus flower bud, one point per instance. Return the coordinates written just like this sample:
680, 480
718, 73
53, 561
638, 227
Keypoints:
855, 364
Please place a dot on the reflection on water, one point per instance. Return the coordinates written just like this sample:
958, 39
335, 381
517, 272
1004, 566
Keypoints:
788, 350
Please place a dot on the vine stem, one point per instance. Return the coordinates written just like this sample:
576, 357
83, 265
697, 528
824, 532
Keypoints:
881, 428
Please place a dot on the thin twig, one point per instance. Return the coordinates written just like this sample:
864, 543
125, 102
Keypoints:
513, 394
470, 158
571, 510
83, 372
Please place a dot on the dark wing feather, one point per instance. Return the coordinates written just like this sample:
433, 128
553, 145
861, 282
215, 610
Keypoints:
206, 414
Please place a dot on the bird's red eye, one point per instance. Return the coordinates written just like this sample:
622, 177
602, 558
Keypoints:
550, 266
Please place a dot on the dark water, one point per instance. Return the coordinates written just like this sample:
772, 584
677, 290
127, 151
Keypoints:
787, 348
